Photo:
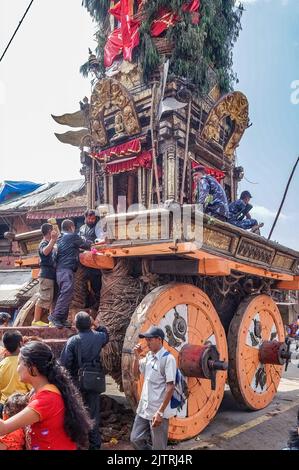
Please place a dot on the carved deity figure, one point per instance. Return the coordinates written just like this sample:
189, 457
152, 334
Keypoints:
118, 127
98, 132
130, 120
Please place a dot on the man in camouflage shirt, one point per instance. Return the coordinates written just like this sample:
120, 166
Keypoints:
210, 194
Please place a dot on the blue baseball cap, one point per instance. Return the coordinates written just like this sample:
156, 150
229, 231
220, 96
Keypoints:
153, 332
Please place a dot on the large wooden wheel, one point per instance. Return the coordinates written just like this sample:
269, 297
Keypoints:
253, 383
187, 316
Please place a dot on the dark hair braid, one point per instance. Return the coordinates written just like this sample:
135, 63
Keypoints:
77, 422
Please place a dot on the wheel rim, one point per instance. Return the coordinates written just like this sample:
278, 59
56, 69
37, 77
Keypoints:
253, 384
171, 306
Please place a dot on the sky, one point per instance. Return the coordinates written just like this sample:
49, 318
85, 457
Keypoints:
39, 76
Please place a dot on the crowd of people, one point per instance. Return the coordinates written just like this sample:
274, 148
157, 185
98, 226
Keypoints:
49, 403
59, 262
45, 404
42, 405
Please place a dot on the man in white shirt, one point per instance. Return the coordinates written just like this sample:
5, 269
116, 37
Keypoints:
153, 411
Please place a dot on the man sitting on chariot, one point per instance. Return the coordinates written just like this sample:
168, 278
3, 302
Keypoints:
210, 194
239, 213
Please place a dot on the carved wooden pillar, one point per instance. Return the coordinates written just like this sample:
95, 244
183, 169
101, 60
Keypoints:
110, 191
131, 189
105, 178
139, 173
171, 172
143, 185
88, 186
92, 186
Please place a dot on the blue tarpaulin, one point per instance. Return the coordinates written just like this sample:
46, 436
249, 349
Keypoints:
11, 189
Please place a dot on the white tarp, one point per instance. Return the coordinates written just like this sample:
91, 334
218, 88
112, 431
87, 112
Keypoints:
11, 282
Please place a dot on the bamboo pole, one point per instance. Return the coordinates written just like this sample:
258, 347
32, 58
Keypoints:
283, 199
154, 144
186, 151
93, 184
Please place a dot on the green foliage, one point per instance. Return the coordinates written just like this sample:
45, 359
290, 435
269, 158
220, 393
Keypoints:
101, 39
98, 9
196, 48
84, 69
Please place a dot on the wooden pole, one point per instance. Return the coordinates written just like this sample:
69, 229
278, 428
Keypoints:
283, 199
93, 184
154, 141
186, 152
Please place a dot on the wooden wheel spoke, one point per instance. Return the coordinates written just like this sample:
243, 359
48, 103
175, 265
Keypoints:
268, 325
250, 353
252, 383
274, 373
199, 326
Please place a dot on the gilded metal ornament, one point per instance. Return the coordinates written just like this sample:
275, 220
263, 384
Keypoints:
235, 106
109, 93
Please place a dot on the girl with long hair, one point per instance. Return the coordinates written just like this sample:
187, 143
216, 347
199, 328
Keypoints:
55, 413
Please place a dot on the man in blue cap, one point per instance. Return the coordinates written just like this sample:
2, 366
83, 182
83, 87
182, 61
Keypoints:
239, 213
210, 194
150, 429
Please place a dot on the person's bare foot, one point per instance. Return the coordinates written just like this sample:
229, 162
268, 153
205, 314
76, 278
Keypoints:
256, 228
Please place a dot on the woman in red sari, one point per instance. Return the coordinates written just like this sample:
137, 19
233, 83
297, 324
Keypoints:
55, 413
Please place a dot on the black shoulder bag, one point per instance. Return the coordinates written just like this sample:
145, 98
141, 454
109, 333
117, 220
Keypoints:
91, 376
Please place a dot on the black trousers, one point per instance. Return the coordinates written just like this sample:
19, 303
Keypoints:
92, 401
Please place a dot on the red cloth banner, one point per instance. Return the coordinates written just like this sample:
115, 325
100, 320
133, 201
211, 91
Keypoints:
124, 39
166, 18
217, 174
144, 160
116, 11
113, 47
193, 8
123, 150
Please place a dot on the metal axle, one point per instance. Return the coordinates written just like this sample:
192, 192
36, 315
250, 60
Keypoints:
202, 362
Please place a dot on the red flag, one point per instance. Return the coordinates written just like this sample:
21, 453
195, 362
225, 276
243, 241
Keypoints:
124, 39
113, 47
166, 19
116, 11
125, 23
132, 40
193, 8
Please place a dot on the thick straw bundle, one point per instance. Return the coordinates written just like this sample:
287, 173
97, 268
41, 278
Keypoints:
120, 295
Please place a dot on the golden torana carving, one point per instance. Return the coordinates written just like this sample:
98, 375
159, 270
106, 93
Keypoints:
128, 74
235, 106
110, 93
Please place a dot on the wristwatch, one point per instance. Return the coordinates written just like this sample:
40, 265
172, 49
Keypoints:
160, 414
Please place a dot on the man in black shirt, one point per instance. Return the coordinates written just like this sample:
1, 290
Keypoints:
91, 343
88, 230
67, 260
47, 273
88, 280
